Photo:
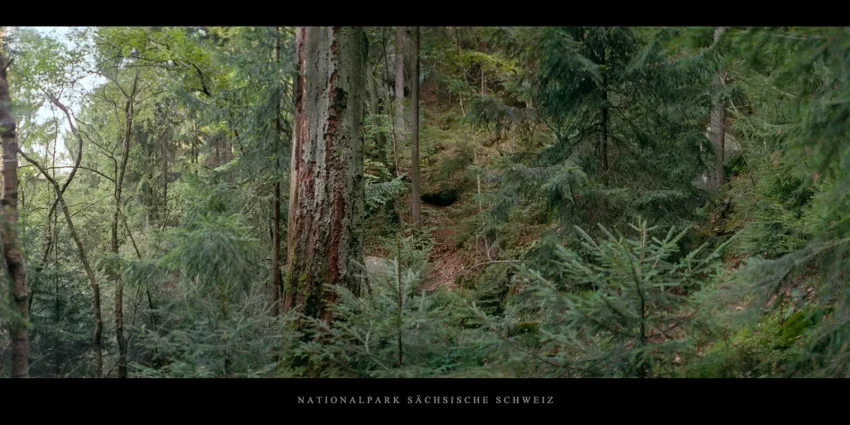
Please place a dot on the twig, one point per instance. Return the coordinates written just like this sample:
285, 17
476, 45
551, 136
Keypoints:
469, 270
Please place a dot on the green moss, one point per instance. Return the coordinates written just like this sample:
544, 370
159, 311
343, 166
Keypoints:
302, 287
770, 349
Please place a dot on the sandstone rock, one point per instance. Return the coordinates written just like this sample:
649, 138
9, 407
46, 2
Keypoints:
377, 266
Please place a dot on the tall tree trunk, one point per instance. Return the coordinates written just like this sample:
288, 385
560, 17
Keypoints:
119, 186
605, 118
58, 345
718, 126
164, 170
391, 102
196, 143
327, 188
462, 69
49, 229
380, 141
276, 275
299, 133
18, 331
150, 198
415, 214
400, 123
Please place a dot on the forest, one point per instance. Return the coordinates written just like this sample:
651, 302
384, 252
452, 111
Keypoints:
385, 202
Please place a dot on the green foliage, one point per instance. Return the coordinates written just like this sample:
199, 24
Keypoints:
775, 347
379, 194
216, 321
195, 344
528, 132
393, 330
795, 214
620, 309
213, 253
628, 125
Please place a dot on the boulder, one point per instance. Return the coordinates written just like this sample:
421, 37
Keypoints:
377, 266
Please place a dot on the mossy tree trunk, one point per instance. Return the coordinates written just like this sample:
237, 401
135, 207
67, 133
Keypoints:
327, 190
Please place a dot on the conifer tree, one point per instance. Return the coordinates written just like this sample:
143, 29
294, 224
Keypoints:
327, 185
621, 305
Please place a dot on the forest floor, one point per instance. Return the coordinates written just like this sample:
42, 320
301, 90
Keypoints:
445, 259
443, 139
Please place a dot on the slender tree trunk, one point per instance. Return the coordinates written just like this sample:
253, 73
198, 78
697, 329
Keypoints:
327, 187
415, 214
196, 142
605, 134
276, 275
119, 186
49, 229
380, 141
408, 72
48, 233
18, 331
604, 124
391, 103
150, 198
60, 202
400, 124
58, 345
462, 69
399, 299
164, 169
84, 259
718, 126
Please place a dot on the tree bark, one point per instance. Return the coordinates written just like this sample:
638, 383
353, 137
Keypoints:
380, 141
150, 197
391, 102
164, 170
604, 124
718, 126
119, 186
462, 69
18, 331
327, 190
400, 124
415, 214
276, 276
